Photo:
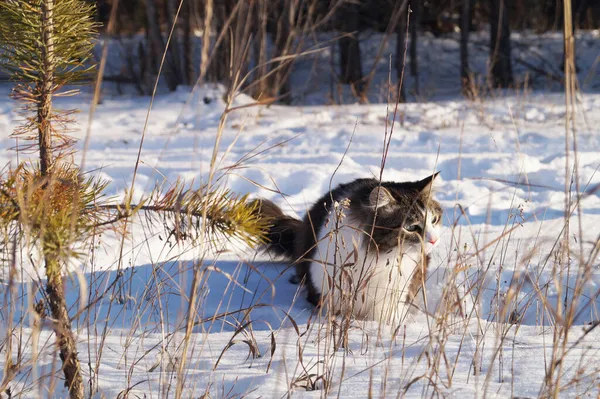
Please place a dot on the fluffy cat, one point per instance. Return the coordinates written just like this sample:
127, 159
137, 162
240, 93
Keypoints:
362, 247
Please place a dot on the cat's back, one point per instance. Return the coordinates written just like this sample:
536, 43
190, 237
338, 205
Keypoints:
351, 190
316, 217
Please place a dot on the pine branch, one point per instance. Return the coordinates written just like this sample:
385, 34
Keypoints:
47, 207
228, 215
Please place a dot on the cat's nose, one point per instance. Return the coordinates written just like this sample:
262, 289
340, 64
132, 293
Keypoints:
431, 238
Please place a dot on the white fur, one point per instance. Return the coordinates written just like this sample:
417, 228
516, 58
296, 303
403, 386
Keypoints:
376, 282
432, 233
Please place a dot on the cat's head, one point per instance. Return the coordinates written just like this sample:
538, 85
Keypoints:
406, 214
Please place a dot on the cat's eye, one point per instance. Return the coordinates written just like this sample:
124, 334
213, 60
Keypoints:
435, 219
412, 228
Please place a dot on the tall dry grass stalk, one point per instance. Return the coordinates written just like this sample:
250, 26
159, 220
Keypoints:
566, 311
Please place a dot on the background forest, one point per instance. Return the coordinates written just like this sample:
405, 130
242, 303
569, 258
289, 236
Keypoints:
344, 42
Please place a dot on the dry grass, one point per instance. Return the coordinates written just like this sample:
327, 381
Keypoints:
455, 328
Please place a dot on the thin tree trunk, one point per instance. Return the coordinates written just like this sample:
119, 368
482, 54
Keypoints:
414, 25
44, 108
579, 7
569, 61
350, 58
188, 44
62, 328
220, 66
102, 11
243, 29
156, 43
208, 29
400, 50
147, 64
260, 50
283, 42
465, 30
174, 51
500, 58
54, 286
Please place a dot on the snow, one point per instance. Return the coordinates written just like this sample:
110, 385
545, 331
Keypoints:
502, 160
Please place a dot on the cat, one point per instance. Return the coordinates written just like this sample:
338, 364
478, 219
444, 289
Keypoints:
365, 242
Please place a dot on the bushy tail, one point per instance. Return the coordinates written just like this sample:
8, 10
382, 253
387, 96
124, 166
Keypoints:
283, 231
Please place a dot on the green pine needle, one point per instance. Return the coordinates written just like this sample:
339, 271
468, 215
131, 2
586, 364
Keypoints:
56, 210
22, 55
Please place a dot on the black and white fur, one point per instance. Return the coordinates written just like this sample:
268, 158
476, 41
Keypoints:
362, 247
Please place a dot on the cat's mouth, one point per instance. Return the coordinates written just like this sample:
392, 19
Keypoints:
429, 246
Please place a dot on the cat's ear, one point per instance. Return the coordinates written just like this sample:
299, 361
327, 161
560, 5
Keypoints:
425, 186
380, 196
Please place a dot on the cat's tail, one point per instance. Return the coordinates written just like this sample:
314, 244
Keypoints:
283, 231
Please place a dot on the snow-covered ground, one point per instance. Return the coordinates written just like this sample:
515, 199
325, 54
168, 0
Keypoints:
502, 161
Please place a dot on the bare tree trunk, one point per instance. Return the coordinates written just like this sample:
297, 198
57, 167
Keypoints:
465, 30
500, 58
156, 43
232, 23
102, 10
242, 31
400, 50
553, 14
174, 51
147, 64
54, 286
188, 44
350, 59
260, 50
283, 41
208, 30
580, 7
219, 68
414, 25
